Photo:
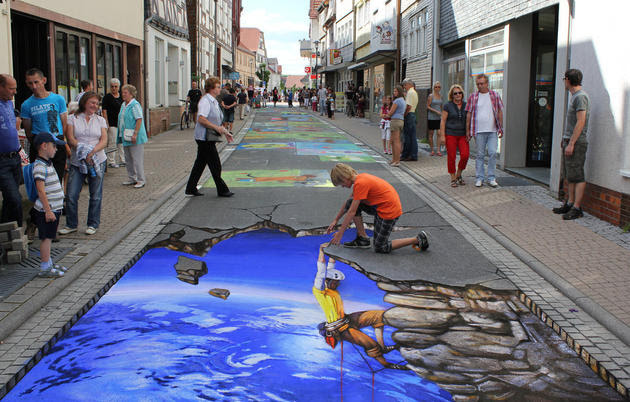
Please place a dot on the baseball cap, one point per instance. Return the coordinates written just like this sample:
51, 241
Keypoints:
46, 137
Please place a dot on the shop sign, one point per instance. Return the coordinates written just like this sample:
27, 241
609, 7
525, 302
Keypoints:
307, 70
313, 76
384, 33
335, 56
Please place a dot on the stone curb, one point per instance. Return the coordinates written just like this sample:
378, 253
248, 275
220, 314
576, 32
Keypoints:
14, 320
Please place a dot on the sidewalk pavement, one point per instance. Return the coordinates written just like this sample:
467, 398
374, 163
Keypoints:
168, 158
587, 260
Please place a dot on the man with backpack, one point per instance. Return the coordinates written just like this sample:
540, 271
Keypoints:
10, 162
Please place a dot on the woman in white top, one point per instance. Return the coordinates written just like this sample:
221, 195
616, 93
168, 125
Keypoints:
208, 132
87, 136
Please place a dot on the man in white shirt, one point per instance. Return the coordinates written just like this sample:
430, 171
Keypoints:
484, 121
321, 95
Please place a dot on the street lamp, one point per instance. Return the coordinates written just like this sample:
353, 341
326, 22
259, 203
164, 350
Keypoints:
316, 43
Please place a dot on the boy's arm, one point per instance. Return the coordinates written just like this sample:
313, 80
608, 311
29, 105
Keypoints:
331, 227
41, 194
320, 276
346, 222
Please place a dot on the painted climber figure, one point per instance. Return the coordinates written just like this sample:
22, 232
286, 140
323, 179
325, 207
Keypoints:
338, 325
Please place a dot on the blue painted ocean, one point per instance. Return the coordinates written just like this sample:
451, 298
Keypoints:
153, 337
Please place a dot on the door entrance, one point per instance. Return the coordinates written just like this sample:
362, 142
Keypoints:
542, 96
30, 49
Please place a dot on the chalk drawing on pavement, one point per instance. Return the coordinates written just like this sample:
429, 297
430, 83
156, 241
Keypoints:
274, 178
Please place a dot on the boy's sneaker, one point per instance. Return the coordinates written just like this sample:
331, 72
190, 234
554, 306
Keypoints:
60, 268
573, 213
359, 242
50, 273
566, 207
423, 241
478, 183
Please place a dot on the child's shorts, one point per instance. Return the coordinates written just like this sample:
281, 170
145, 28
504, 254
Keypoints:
46, 230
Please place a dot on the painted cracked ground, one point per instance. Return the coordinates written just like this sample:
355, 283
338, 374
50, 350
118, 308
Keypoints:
153, 337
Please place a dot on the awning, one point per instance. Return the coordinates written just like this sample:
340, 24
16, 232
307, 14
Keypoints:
357, 66
227, 68
326, 69
378, 57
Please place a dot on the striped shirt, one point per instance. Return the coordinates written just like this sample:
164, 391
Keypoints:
44, 170
471, 106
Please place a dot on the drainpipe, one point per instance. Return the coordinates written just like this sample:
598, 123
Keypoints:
436, 48
398, 64
147, 120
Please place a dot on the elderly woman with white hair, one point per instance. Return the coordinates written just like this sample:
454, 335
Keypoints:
112, 102
132, 135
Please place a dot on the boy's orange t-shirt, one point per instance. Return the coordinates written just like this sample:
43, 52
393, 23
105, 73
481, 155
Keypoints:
379, 193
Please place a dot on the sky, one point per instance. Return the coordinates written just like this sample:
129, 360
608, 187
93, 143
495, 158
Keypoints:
284, 23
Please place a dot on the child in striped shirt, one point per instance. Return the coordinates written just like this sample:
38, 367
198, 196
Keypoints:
49, 201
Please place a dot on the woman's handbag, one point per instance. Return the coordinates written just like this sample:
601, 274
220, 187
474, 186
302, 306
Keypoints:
128, 134
212, 135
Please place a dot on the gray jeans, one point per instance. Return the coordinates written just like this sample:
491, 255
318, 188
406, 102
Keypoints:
134, 155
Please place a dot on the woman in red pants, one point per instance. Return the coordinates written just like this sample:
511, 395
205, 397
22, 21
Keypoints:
453, 128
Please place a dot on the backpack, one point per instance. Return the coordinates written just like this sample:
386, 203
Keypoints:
29, 181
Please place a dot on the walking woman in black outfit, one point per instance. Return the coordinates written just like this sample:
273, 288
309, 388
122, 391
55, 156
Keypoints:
208, 132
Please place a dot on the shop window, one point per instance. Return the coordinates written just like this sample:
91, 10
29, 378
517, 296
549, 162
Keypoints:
100, 67
61, 56
491, 63
72, 62
491, 39
108, 64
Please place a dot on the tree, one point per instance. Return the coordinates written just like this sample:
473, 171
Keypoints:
263, 74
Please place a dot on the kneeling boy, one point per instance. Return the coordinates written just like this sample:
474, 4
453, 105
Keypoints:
374, 196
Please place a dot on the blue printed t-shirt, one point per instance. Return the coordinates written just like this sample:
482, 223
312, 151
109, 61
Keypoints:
44, 113
9, 141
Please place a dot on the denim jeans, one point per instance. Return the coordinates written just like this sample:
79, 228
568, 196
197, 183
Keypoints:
410, 142
322, 106
75, 184
10, 175
486, 140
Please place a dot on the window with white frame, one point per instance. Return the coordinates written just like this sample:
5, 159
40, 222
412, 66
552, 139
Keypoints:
416, 43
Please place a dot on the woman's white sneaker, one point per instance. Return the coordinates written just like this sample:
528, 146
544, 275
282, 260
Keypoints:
90, 230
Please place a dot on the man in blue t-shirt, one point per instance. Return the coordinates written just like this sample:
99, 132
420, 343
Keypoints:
10, 161
44, 112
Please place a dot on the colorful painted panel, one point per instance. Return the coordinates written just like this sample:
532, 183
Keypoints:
338, 152
247, 331
274, 178
298, 135
266, 145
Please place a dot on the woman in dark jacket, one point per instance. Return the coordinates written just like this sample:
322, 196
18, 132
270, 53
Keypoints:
453, 128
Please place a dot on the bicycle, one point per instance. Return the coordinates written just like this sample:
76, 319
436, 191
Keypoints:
186, 118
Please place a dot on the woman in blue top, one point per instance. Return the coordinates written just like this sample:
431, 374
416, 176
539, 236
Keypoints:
397, 115
130, 120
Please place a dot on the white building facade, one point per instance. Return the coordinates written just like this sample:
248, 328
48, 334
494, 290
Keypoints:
168, 63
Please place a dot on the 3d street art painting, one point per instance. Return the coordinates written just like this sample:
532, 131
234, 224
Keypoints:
155, 337
274, 178
245, 322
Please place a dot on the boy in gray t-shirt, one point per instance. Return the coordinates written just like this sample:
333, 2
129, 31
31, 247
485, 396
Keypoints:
574, 146
49, 201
